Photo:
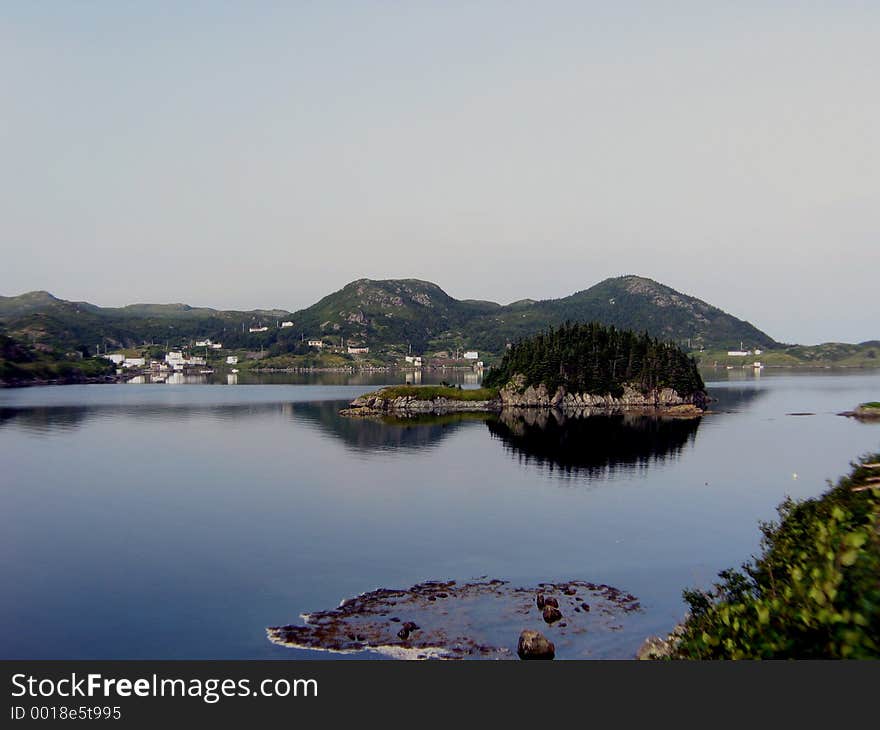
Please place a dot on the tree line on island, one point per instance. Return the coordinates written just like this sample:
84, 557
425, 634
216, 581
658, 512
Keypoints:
593, 358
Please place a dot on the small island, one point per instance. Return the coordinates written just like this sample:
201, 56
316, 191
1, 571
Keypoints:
575, 367
865, 412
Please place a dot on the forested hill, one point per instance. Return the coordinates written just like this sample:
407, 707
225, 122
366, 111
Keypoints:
627, 302
389, 316
38, 318
421, 314
592, 358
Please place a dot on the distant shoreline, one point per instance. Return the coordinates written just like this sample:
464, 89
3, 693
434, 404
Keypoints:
116, 379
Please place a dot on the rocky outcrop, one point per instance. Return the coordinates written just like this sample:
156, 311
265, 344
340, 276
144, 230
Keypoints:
865, 412
657, 647
516, 394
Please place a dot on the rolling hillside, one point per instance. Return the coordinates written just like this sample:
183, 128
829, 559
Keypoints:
391, 316
627, 302
38, 318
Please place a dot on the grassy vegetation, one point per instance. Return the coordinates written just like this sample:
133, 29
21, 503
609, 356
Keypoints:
321, 360
871, 404
830, 354
812, 593
21, 364
15, 373
430, 392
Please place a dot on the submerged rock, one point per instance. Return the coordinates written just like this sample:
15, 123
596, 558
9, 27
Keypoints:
475, 620
534, 645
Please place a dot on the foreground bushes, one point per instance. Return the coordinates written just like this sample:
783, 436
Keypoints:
814, 592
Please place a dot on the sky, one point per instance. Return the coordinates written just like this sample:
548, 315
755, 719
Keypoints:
261, 154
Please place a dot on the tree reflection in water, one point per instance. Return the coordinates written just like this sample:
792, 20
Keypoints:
592, 444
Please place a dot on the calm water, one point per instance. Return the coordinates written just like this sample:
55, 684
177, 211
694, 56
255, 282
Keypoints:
160, 521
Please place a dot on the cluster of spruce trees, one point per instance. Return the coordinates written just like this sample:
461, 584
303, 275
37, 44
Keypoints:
592, 358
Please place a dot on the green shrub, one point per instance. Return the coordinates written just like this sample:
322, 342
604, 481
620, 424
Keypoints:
814, 592
430, 392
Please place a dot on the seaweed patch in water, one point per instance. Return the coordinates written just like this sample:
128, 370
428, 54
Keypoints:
481, 619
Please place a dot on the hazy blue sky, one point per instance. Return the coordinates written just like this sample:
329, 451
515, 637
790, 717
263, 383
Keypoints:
264, 154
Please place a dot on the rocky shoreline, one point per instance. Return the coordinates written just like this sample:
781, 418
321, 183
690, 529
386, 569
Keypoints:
73, 380
516, 395
864, 412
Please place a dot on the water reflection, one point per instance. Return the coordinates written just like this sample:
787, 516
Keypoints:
368, 435
594, 445
543, 436
44, 420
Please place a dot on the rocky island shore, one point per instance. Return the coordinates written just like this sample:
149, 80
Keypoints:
578, 366
404, 401
865, 412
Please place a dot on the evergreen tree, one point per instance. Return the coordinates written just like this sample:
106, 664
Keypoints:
592, 358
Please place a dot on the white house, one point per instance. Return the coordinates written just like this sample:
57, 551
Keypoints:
203, 343
316, 343
116, 358
134, 362
358, 350
738, 353
174, 357
286, 324
472, 355
258, 329
232, 360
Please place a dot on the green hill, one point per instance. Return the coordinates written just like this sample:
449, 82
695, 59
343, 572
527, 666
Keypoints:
38, 318
421, 314
391, 312
393, 316
627, 302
